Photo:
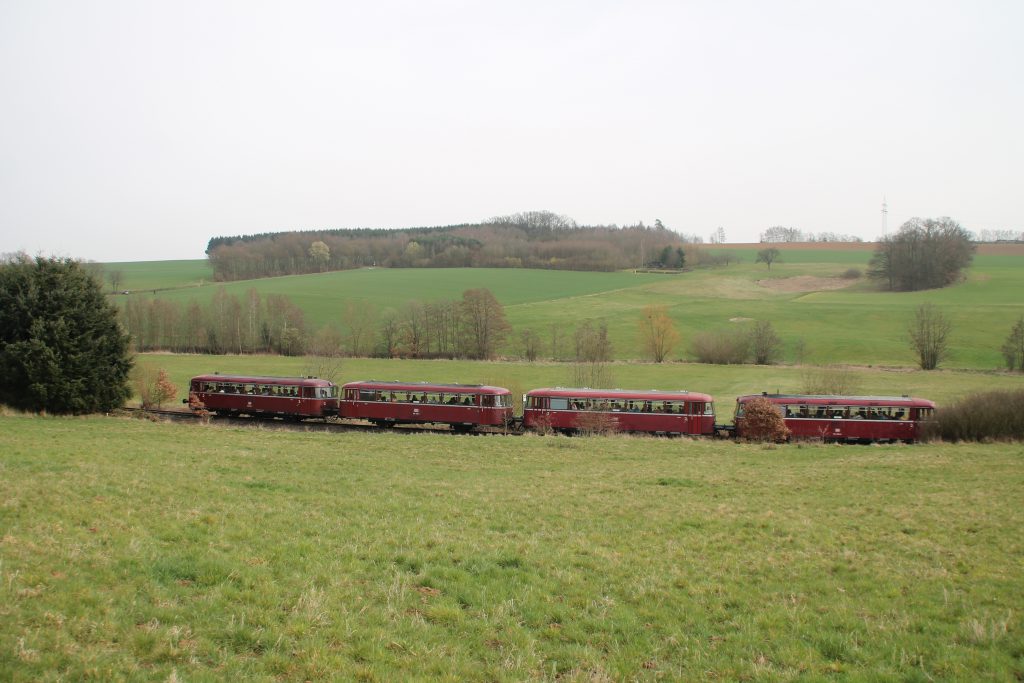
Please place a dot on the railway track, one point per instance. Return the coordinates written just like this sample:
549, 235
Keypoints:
306, 425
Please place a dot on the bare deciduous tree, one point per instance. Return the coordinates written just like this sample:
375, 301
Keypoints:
556, 337
593, 374
328, 368
390, 333
929, 336
326, 342
115, 277
765, 345
592, 343
768, 256
483, 323
531, 344
360, 319
657, 333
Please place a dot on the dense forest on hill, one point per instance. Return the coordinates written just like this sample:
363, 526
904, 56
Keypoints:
537, 239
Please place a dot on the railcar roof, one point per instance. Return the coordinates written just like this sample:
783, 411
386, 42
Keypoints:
263, 379
840, 399
642, 394
395, 385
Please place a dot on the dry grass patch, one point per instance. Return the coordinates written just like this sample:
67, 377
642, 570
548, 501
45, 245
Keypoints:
805, 283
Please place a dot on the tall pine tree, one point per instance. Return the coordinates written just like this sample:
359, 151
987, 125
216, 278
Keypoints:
62, 349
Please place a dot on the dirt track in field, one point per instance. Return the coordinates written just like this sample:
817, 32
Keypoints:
805, 283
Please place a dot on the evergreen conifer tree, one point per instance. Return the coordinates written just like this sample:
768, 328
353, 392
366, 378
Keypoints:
62, 349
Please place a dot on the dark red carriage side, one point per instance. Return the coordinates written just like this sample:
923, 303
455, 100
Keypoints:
462, 406
288, 397
653, 412
847, 418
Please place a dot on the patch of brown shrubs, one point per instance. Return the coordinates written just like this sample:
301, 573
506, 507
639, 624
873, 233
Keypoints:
762, 421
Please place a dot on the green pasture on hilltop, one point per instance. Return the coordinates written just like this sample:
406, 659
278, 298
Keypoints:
139, 276
723, 382
133, 550
853, 324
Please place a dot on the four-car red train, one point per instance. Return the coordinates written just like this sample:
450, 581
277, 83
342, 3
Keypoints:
464, 407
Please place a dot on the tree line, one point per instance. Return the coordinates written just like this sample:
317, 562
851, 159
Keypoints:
780, 233
538, 239
471, 327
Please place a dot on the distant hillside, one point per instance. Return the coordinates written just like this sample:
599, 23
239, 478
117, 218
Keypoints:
539, 239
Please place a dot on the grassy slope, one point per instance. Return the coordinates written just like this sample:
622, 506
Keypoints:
143, 275
222, 554
854, 325
323, 296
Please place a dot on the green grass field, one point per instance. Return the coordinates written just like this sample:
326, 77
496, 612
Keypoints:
132, 550
856, 325
139, 276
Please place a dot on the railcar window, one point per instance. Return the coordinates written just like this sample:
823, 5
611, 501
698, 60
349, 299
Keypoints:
709, 408
559, 403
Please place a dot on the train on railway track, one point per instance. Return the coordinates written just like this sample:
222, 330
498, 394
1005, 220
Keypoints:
474, 407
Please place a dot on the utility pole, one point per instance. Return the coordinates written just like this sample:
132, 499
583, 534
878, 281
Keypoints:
885, 217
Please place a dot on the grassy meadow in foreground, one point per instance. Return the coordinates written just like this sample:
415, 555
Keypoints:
145, 551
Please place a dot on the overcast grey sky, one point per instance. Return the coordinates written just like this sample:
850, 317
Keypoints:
137, 130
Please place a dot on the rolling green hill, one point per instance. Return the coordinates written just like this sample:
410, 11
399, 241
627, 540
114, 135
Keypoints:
853, 324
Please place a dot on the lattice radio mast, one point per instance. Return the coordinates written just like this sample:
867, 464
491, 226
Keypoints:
885, 217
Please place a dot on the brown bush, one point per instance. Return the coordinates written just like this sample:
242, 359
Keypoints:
989, 416
596, 424
762, 421
153, 386
722, 347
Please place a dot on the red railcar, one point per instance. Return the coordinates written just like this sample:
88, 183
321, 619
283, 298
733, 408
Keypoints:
655, 412
289, 397
847, 418
462, 406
